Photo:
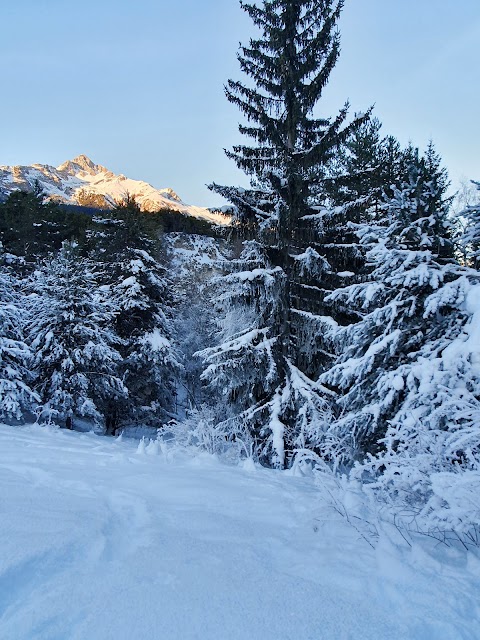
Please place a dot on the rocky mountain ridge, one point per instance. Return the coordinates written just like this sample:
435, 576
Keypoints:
82, 182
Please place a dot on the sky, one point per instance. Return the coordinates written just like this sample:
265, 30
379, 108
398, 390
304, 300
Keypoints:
138, 85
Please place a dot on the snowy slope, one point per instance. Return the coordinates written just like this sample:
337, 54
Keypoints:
103, 540
81, 181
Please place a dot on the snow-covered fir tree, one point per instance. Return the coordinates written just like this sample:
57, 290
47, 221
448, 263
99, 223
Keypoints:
411, 259
144, 321
429, 459
353, 190
269, 410
362, 175
137, 286
193, 260
356, 174
471, 237
16, 397
243, 366
289, 65
76, 362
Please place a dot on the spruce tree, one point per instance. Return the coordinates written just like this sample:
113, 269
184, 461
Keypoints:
127, 242
193, 262
143, 299
356, 174
32, 226
471, 237
16, 397
70, 331
409, 253
289, 66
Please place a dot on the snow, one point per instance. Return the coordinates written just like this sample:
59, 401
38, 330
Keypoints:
473, 307
311, 263
467, 345
157, 341
131, 281
253, 274
191, 253
278, 428
108, 539
398, 383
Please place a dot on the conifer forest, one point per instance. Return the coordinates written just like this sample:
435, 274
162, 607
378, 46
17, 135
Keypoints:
329, 328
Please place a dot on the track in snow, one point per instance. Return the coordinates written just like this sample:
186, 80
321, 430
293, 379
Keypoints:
98, 542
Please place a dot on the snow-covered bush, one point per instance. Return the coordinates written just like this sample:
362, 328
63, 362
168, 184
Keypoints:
450, 517
206, 429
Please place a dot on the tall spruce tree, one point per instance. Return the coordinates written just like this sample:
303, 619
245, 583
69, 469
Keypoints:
289, 66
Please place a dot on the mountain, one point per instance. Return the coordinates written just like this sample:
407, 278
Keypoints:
82, 182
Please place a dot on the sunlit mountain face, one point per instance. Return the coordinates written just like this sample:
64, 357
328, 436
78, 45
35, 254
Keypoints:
83, 182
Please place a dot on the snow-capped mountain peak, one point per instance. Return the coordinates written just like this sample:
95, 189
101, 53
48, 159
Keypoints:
81, 163
83, 182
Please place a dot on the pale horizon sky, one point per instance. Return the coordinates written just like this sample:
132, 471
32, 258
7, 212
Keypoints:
138, 86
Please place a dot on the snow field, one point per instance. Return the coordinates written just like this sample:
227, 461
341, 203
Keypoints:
110, 539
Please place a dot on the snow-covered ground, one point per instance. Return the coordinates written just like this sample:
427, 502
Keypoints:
102, 538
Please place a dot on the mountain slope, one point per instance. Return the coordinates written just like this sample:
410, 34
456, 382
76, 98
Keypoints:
81, 181
107, 539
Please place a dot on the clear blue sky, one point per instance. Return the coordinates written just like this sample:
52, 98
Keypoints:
138, 85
